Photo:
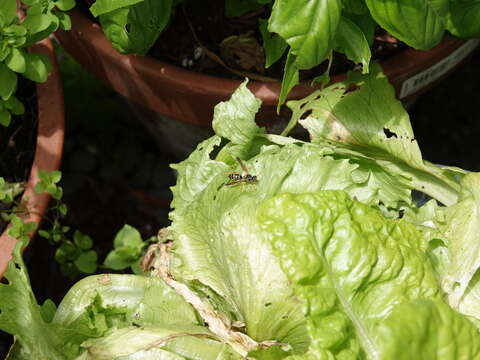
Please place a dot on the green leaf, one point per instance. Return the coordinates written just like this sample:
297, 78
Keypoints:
128, 236
101, 7
8, 191
273, 44
116, 316
8, 82
65, 5
117, 261
36, 23
21, 315
351, 41
195, 173
87, 262
470, 302
20, 229
362, 279
68, 251
462, 229
16, 61
48, 310
38, 67
418, 23
43, 233
83, 241
429, 330
5, 117
63, 209
8, 12
14, 105
291, 78
371, 121
48, 183
64, 19
235, 119
310, 39
135, 342
366, 24
144, 21
463, 18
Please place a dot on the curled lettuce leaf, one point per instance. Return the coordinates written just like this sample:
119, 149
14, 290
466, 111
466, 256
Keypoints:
362, 277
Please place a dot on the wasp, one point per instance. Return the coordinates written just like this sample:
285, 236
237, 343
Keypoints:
245, 177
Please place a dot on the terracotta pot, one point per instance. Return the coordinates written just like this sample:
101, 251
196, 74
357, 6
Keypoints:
48, 151
190, 97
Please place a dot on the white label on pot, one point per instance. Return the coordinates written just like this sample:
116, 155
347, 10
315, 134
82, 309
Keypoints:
434, 72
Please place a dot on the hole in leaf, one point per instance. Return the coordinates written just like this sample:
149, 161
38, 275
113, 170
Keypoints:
306, 114
351, 88
389, 133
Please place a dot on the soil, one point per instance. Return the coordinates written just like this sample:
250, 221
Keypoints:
197, 24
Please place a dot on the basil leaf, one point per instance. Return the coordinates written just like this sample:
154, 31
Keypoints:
419, 23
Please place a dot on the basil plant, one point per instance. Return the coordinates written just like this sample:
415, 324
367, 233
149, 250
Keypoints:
286, 249
22, 23
308, 30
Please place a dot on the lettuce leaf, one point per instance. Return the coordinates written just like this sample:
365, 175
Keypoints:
461, 230
362, 277
104, 317
21, 316
363, 116
319, 251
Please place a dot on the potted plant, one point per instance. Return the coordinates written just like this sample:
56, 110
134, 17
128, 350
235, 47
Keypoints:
286, 249
134, 26
26, 50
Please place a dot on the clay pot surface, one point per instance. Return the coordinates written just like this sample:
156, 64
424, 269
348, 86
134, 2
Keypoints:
48, 150
190, 97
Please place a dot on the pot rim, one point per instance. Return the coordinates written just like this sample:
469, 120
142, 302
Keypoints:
397, 68
48, 149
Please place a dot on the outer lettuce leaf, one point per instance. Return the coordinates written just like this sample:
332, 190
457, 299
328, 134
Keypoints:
419, 23
470, 302
195, 174
361, 277
235, 121
178, 342
22, 316
149, 299
462, 229
105, 317
134, 317
143, 316
372, 123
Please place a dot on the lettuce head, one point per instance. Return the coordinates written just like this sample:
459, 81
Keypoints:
281, 248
